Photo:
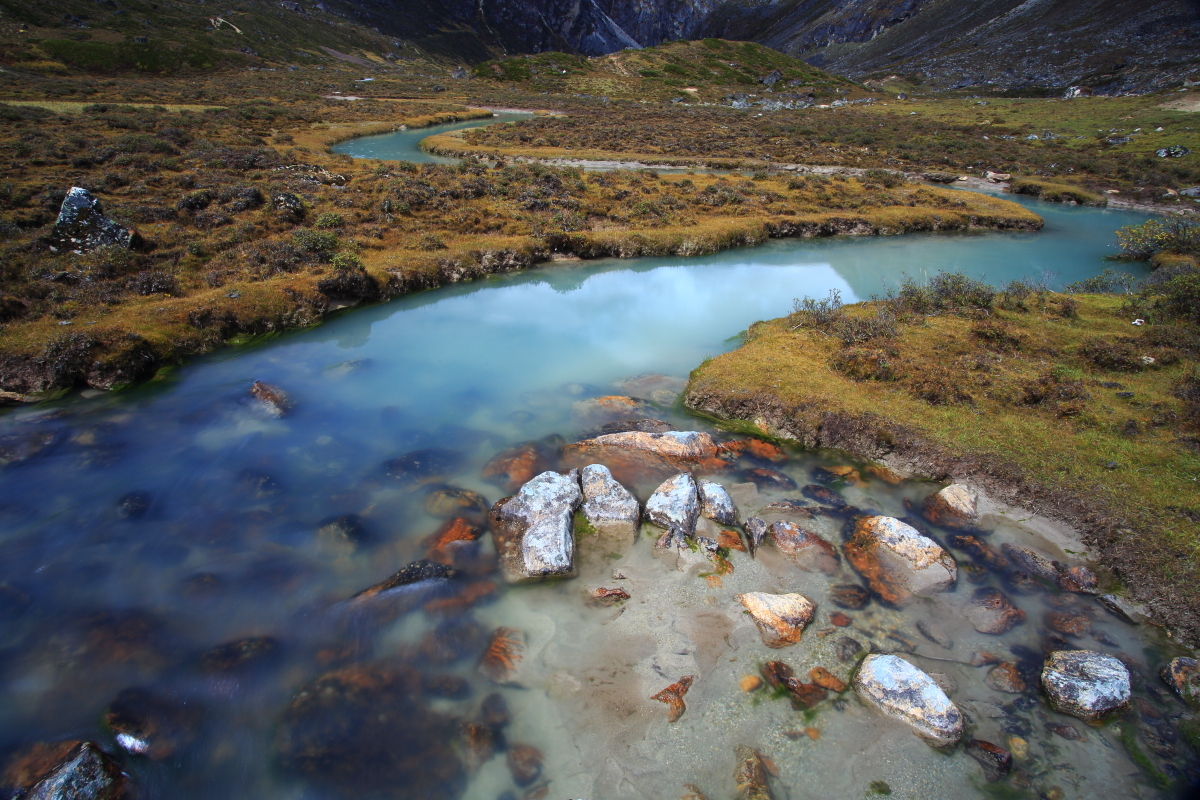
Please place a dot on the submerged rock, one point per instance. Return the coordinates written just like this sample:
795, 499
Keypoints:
81, 226
1183, 675
686, 445
805, 549
455, 542
516, 466
781, 618
348, 529
612, 407
65, 771
1080, 580
534, 530
364, 731
416, 572
750, 776
675, 505
850, 596
134, 505
608, 506
897, 561
716, 504
147, 724
1031, 562
1086, 684
755, 529
903, 692
451, 501
237, 654
501, 661
524, 763
956, 506
1004, 677
995, 760
424, 466
769, 479
990, 612
271, 399
673, 697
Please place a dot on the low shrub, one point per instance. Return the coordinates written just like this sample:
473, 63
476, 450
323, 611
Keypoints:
1141, 242
809, 312
866, 364
1108, 282
946, 291
1118, 355
996, 336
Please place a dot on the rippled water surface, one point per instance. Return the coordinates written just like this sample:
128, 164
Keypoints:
237, 532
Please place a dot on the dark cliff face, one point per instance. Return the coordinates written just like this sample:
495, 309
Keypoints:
1111, 45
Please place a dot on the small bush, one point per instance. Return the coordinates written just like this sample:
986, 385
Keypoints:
1112, 356
939, 387
818, 314
1140, 242
946, 291
329, 220
347, 262
996, 336
321, 243
431, 241
865, 364
1068, 308
883, 177
1108, 282
860, 329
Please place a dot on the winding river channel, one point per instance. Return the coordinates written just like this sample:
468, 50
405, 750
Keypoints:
181, 557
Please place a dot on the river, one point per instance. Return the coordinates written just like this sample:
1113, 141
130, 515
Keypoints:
158, 523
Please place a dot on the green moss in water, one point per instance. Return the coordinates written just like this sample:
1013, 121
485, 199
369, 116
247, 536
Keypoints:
1139, 757
582, 526
1005, 791
878, 788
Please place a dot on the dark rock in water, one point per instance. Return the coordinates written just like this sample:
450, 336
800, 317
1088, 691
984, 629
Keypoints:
481, 742
64, 771
415, 572
847, 648
451, 501
756, 529
147, 724
1080, 580
495, 711
983, 553
825, 495
348, 529
792, 508
995, 760
850, 596
237, 654
202, 584
451, 641
450, 687
12, 601
768, 479
18, 448
1068, 623
805, 549
776, 674
1065, 730
81, 226
1119, 607
133, 505
525, 763
1031, 562
289, 207
364, 731
992, 613
424, 466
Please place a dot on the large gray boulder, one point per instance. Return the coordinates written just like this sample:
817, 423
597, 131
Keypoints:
82, 227
905, 693
535, 529
897, 561
716, 504
1086, 684
608, 506
675, 505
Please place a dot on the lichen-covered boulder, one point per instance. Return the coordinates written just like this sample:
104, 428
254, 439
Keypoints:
1183, 675
781, 618
69, 770
535, 529
675, 505
805, 549
608, 506
716, 504
956, 506
82, 227
897, 561
1086, 684
903, 692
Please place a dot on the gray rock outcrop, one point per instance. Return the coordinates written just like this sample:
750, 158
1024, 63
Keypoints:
905, 693
82, 227
1086, 684
534, 529
716, 504
675, 505
609, 507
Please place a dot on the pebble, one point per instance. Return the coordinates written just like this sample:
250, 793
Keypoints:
750, 683
1018, 747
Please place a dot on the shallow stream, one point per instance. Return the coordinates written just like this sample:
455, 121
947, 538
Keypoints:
140, 530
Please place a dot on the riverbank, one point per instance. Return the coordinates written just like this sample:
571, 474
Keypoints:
1051, 409
254, 240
